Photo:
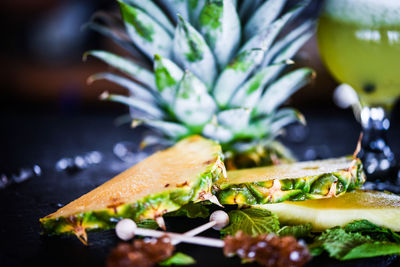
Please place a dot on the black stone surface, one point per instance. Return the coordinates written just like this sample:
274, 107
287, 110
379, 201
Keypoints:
43, 138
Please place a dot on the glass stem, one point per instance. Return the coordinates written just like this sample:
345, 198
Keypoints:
378, 158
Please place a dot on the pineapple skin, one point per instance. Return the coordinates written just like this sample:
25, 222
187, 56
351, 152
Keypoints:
150, 207
278, 190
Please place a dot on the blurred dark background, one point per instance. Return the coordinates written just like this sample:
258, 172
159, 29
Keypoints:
41, 57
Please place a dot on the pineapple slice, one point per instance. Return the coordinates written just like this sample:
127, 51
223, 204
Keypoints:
297, 181
161, 183
380, 208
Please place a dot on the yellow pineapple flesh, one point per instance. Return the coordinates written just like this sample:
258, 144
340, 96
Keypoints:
380, 208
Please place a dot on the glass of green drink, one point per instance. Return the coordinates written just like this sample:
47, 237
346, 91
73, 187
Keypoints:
359, 42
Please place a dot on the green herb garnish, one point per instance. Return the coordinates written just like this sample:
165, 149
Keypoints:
178, 258
251, 221
359, 239
298, 231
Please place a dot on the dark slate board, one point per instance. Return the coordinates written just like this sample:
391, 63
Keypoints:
43, 138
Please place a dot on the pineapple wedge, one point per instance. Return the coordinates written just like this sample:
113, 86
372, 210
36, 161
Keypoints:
296, 181
380, 208
161, 183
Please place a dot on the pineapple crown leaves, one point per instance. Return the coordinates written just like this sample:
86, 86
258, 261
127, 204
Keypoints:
217, 66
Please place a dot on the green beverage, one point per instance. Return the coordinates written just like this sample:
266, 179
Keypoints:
359, 42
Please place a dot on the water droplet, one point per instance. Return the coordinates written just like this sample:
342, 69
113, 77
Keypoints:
296, 133
4, 181
310, 154
294, 256
126, 151
302, 242
94, 157
369, 186
24, 174
317, 152
80, 163
37, 170
380, 186
241, 253
64, 164
262, 244
57, 205
251, 254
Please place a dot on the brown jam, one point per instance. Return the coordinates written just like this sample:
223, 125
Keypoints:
141, 253
267, 250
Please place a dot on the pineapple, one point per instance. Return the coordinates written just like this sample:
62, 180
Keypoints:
161, 183
380, 208
296, 182
215, 71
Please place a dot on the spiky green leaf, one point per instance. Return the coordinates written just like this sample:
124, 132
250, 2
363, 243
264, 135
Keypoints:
117, 35
249, 93
263, 17
192, 52
167, 76
195, 8
155, 140
218, 133
220, 25
295, 39
155, 13
248, 7
279, 91
150, 109
292, 48
284, 117
125, 65
236, 120
235, 74
135, 89
264, 38
172, 130
176, 7
193, 105
259, 128
145, 32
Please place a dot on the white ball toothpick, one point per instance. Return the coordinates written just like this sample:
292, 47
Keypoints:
126, 229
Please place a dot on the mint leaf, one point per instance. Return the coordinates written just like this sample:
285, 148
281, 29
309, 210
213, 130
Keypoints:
374, 249
191, 210
298, 231
252, 221
337, 242
358, 239
178, 258
379, 233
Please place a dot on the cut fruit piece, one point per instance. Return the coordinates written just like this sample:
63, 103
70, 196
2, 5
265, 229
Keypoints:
161, 183
380, 208
297, 181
